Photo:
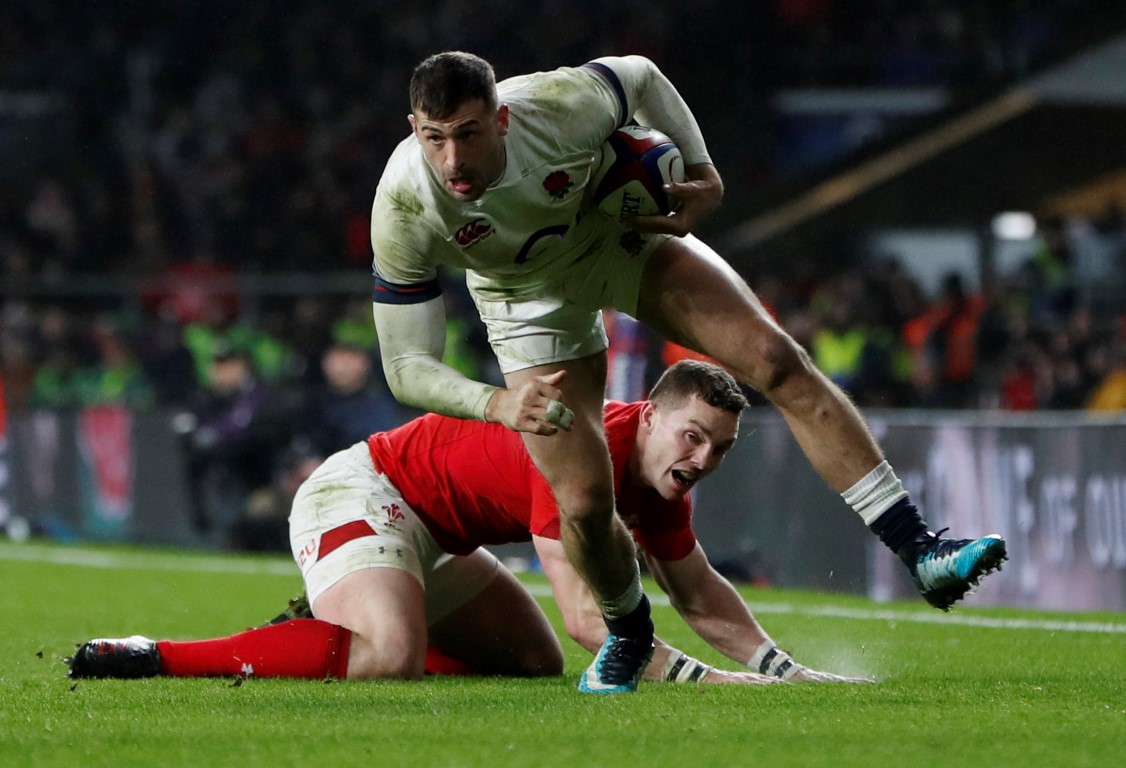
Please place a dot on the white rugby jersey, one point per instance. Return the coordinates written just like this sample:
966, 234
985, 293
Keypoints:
537, 218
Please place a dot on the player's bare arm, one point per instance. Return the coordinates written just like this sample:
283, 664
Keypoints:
709, 604
585, 626
714, 609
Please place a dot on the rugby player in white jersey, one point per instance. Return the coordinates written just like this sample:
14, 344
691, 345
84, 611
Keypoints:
494, 179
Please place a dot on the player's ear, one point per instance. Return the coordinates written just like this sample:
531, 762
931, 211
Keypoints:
648, 414
413, 122
502, 119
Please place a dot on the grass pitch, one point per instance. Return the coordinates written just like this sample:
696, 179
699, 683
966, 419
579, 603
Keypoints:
988, 687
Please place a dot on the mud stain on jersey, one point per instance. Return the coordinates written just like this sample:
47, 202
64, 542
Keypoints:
405, 203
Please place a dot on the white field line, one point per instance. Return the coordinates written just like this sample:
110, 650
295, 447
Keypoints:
240, 565
139, 561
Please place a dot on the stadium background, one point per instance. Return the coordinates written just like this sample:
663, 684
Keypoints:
931, 197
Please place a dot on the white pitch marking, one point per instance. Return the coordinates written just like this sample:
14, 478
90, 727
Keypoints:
238, 564
146, 562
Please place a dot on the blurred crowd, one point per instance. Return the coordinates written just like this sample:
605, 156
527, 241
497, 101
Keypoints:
1025, 341
252, 134
1029, 340
257, 401
163, 151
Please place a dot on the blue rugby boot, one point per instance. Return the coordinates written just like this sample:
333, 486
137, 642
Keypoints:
618, 666
944, 570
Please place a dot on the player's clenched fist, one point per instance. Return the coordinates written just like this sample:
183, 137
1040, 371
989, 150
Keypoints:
535, 406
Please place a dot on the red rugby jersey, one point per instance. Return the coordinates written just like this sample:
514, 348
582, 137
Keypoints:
474, 484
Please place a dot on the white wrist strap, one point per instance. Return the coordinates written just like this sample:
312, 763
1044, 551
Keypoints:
769, 659
682, 668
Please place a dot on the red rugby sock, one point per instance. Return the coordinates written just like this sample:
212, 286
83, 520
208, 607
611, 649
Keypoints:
438, 663
305, 648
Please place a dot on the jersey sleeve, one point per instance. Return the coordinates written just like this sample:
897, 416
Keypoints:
400, 245
544, 518
384, 291
572, 109
643, 93
404, 245
667, 535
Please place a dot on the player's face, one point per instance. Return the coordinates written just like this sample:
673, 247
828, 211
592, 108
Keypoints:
466, 150
682, 446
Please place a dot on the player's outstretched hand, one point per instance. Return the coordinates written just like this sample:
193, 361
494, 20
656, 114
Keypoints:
723, 677
535, 406
696, 198
807, 675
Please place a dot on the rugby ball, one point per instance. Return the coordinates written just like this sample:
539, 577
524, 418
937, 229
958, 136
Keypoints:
635, 164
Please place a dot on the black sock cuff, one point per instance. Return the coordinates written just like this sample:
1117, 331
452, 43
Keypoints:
637, 623
899, 525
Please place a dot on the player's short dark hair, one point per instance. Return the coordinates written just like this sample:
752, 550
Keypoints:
445, 81
708, 381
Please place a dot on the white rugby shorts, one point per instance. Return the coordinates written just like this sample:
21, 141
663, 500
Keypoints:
347, 517
562, 319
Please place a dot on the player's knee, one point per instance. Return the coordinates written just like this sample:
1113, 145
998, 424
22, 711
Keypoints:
779, 361
586, 506
387, 669
382, 661
588, 529
541, 660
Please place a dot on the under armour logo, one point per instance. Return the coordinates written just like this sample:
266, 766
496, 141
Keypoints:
247, 669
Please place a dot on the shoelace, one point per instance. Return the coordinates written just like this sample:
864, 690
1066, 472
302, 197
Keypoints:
620, 663
937, 543
939, 547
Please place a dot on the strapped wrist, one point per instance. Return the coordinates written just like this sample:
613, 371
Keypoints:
769, 659
682, 668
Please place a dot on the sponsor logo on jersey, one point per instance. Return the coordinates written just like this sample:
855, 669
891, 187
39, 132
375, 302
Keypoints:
558, 184
473, 232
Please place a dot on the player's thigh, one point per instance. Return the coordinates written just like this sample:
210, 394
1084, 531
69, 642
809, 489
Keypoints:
690, 295
385, 609
501, 630
576, 462
364, 555
348, 517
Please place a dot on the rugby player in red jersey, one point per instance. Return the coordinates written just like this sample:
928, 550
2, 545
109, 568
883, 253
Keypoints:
388, 535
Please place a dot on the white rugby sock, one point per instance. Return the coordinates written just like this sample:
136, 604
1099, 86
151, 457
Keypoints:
625, 603
875, 493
